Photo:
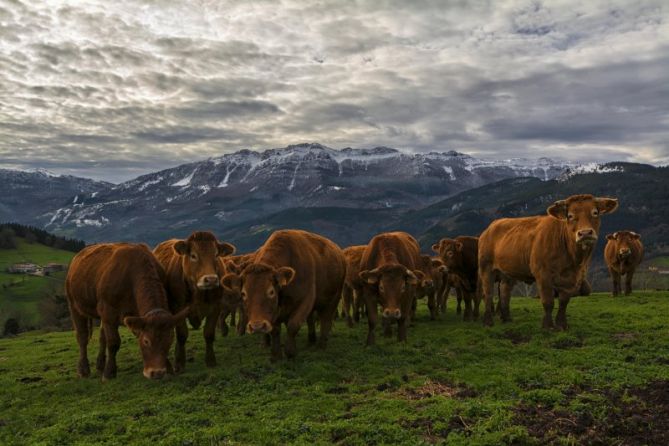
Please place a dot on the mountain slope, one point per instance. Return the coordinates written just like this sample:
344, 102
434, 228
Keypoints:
245, 186
27, 194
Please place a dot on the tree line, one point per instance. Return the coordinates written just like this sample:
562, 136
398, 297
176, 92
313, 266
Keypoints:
32, 234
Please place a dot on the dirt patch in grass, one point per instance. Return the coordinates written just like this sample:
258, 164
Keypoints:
566, 343
515, 337
432, 434
436, 388
634, 416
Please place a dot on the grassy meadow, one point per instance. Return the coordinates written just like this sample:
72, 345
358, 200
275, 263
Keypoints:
605, 381
20, 294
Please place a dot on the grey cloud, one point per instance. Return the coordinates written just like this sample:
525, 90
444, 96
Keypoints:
113, 89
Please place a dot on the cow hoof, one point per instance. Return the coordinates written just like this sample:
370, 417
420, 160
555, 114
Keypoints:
179, 368
487, 320
210, 362
83, 373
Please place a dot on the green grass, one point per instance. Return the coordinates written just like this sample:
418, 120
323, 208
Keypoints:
452, 381
21, 299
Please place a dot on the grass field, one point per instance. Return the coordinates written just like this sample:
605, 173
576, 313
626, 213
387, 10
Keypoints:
22, 297
606, 381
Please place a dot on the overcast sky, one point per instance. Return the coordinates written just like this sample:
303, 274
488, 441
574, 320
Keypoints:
112, 89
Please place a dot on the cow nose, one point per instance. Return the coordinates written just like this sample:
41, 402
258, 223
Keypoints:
210, 281
625, 251
258, 326
155, 373
586, 233
388, 313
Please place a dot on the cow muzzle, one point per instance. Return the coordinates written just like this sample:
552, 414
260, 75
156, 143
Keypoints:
624, 253
392, 313
154, 373
208, 282
262, 326
587, 236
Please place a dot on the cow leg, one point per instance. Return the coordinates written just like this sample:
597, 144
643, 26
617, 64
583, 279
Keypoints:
102, 357
372, 316
82, 329
311, 326
233, 313
628, 282
347, 303
402, 329
546, 294
181, 330
326, 318
487, 280
224, 326
292, 328
113, 344
209, 333
357, 304
615, 277
561, 316
241, 322
505, 288
467, 296
458, 309
432, 304
275, 337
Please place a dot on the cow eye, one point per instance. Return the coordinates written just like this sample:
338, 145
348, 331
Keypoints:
595, 212
244, 295
271, 293
193, 257
570, 216
450, 254
146, 342
381, 287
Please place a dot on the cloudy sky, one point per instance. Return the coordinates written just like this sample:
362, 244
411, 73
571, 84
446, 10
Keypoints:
112, 89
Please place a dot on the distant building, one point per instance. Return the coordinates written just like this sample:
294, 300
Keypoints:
53, 267
24, 268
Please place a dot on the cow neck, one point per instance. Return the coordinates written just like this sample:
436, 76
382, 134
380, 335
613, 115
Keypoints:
577, 254
149, 295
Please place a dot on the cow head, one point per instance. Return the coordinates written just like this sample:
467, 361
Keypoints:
392, 282
261, 287
200, 254
450, 252
155, 334
232, 288
432, 269
623, 242
581, 214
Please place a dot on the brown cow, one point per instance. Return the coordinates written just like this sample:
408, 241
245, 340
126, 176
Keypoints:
121, 283
295, 276
554, 250
432, 284
232, 297
390, 275
193, 273
352, 291
623, 253
460, 256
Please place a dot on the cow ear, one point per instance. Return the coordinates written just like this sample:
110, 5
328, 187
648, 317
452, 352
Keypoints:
225, 249
284, 275
232, 267
443, 269
134, 323
435, 247
181, 247
610, 236
230, 282
436, 263
606, 205
459, 246
558, 210
370, 277
414, 277
180, 316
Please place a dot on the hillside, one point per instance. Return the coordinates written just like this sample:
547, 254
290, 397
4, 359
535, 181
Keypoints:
605, 381
20, 294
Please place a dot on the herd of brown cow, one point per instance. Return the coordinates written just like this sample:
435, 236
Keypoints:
298, 277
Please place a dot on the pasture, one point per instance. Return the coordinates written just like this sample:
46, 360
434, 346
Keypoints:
605, 381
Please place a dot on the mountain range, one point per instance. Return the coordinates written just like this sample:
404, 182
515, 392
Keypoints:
348, 195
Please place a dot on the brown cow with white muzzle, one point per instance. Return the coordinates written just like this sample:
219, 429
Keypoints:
121, 283
554, 250
194, 271
295, 277
389, 270
623, 254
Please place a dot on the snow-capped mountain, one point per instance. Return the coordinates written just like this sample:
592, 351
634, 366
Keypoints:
27, 194
247, 185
